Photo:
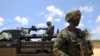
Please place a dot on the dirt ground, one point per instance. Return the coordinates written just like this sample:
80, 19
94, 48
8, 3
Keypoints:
96, 51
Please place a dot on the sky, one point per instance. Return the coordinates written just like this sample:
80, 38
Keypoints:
26, 13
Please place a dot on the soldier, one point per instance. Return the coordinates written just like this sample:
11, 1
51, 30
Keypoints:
71, 41
50, 28
49, 31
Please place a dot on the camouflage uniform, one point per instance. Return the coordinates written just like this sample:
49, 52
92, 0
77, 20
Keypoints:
70, 43
49, 31
50, 28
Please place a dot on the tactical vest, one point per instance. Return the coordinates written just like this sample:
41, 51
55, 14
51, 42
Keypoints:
71, 40
71, 44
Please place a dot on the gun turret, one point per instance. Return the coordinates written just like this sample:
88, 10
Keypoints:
44, 37
33, 28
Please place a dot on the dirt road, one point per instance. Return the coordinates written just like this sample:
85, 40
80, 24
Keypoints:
96, 51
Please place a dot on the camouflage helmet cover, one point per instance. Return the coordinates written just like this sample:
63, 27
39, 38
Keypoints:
71, 14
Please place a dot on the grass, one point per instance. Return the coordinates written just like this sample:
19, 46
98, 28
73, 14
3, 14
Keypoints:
96, 43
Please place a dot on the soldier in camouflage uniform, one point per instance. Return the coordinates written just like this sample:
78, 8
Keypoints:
50, 28
49, 31
71, 41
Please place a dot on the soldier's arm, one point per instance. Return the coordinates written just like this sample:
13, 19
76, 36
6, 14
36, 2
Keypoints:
58, 52
58, 45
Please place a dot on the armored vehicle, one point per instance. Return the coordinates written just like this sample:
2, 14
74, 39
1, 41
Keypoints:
18, 42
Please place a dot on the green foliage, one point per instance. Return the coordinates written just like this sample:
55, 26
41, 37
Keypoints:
87, 33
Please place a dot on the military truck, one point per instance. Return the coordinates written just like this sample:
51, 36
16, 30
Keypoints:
17, 42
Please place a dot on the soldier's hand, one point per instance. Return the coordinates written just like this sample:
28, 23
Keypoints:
57, 52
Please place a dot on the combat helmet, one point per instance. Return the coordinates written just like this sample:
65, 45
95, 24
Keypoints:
48, 23
72, 13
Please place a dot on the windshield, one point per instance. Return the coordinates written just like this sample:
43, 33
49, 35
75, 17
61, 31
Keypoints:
5, 36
